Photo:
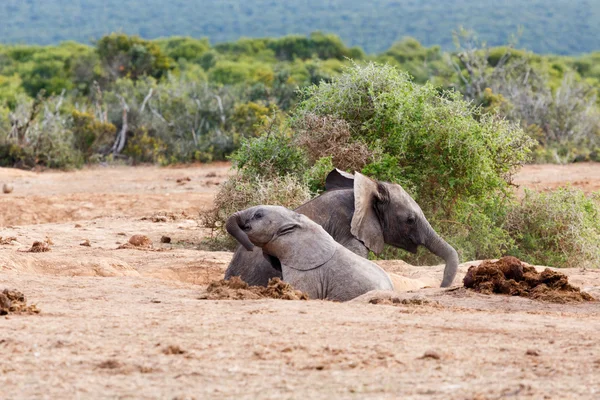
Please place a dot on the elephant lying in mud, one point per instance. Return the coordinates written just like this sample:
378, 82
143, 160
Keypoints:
310, 259
361, 214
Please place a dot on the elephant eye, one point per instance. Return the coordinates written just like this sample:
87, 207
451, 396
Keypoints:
410, 220
286, 229
258, 215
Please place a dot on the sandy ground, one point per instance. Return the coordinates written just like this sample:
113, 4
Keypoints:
585, 176
123, 323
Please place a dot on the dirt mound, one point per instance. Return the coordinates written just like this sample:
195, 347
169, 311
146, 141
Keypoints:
13, 301
39, 247
7, 240
237, 289
137, 242
511, 277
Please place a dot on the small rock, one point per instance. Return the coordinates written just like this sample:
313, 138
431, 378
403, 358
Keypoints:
532, 352
140, 241
7, 188
86, 243
165, 239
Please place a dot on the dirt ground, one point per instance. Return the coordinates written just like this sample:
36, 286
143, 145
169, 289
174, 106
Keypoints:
130, 323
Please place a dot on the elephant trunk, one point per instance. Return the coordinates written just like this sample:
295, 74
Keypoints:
441, 248
233, 226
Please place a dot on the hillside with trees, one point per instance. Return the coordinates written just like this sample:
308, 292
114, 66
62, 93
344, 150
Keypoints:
549, 26
180, 99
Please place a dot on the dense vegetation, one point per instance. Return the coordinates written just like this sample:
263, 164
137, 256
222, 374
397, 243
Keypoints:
455, 159
181, 99
549, 26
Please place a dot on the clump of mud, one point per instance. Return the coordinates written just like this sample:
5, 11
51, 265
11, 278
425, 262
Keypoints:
7, 240
137, 242
165, 239
39, 247
511, 277
237, 289
13, 301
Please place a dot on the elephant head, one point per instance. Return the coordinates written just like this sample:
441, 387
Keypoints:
311, 260
385, 213
282, 233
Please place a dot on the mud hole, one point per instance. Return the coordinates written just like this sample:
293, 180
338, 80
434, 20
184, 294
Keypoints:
237, 289
510, 276
15, 302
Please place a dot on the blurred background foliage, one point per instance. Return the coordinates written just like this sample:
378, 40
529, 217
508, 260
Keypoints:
180, 99
549, 26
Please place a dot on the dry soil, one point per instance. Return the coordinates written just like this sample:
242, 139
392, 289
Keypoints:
135, 322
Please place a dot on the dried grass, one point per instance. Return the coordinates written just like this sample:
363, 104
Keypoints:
323, 136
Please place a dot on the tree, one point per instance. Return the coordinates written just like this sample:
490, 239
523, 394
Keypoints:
130, 56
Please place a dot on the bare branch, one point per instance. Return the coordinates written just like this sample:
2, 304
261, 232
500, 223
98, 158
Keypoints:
146, 100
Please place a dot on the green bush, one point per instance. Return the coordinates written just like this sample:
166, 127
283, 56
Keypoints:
560, 228
270, 155
91, 136
454, 160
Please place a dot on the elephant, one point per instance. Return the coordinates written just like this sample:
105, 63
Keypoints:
361, 214
310, 259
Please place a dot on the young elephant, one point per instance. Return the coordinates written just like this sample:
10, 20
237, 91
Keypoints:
310, 259
361, 214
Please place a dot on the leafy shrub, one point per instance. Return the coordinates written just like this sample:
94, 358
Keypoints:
146, 149
270, 155
90, 135
131, 56
41, 135
456, 162
559, 228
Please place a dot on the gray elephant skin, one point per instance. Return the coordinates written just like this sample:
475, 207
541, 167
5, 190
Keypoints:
310, 260
361, 214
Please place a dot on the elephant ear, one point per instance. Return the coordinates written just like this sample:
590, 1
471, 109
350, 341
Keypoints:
312, 248
338, 179
365, 223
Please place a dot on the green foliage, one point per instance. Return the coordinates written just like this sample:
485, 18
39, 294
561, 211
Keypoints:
315, 176
455, 161
189, 101
317, 44
229, 73
269, 156
130, 56
186, 48
143, 148
90, 135
12, 155
549, 26
558, 228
